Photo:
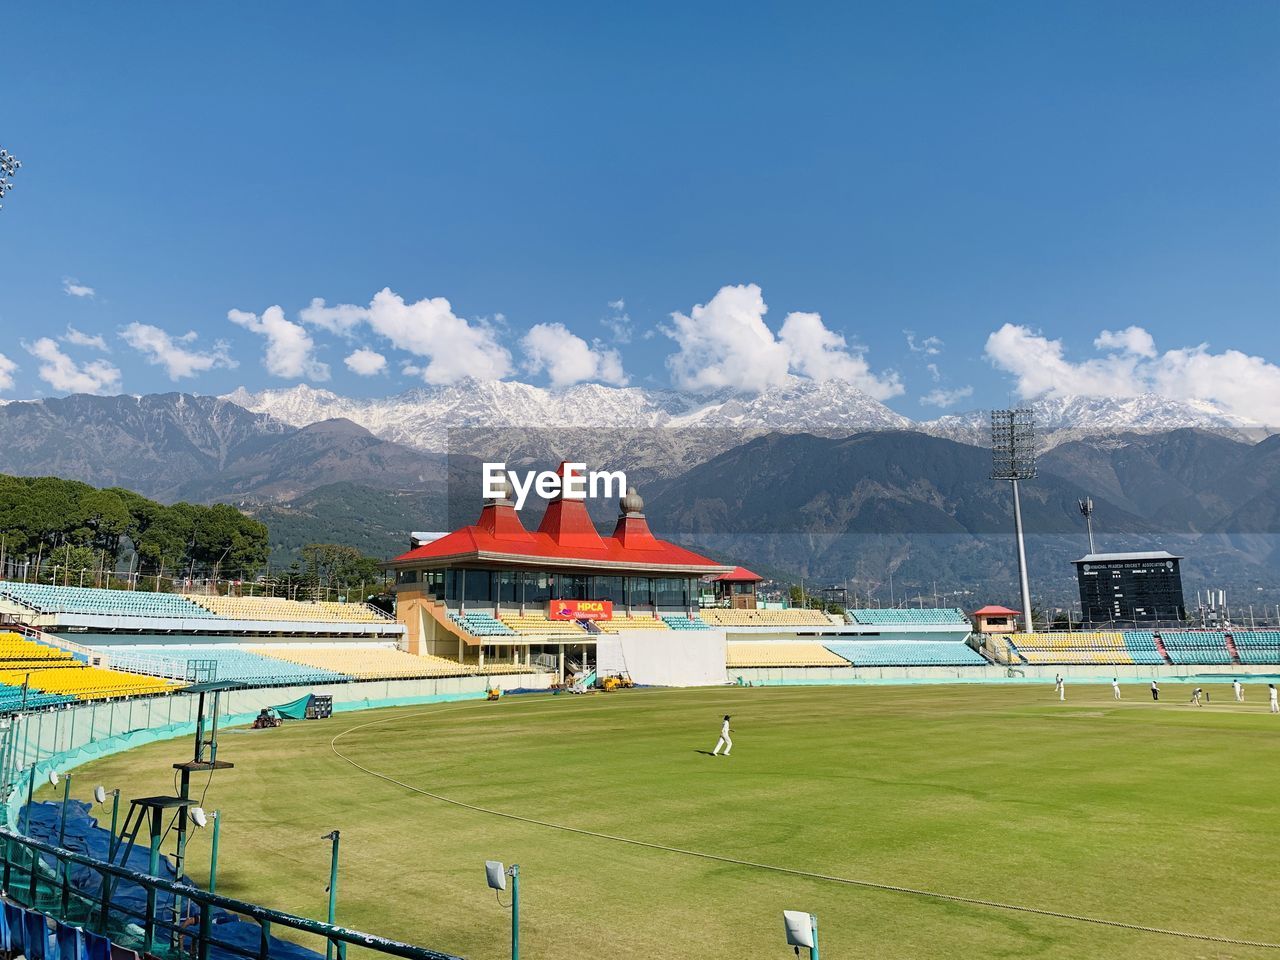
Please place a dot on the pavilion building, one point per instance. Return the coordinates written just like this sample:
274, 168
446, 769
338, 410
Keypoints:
497, 590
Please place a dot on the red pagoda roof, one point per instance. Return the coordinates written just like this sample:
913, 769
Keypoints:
994, 610
566, 537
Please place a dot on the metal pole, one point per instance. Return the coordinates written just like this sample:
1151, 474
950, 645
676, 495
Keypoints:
333, 889
813, 927
515, 911
213, 854
62, 820
115, 819
31, 789
153, 870
1022, 561
206, 914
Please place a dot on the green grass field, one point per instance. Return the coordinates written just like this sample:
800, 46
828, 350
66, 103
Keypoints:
1162, 815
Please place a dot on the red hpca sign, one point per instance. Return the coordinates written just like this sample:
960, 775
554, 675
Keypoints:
581, 610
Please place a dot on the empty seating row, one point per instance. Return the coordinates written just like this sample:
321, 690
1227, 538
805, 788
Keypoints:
16, 652
369, 662
680, 621
634, 622
1198, 646
278, 608
219, 663
784, 654
890, 615
1082, 647
792, 617
531, 622
909, 653
481, 624
1257, 646
11, 698
1142, 647
80, 682
92, 601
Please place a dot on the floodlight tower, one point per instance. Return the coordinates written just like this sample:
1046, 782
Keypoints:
1013, 458
9, 165
1086, 511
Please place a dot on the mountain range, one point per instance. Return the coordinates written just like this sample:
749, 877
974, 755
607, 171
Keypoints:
423, 417
815, 479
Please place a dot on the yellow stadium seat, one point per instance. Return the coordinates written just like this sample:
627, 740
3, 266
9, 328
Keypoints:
781, 655
793, 617
278, 608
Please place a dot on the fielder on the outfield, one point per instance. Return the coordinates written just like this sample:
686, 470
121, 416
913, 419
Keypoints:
725, 740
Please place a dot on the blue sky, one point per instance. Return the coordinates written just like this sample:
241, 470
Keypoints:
1024, 183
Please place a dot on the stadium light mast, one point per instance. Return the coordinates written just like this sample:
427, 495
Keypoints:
1013, 458
9, 165
1086, 511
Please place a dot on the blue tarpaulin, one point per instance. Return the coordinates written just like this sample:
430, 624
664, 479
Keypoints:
83, 835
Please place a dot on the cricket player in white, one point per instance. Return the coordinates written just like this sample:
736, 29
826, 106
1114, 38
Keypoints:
1057, 684
1275, 704
1238, 687
725, 740
1115, 687
1062, 688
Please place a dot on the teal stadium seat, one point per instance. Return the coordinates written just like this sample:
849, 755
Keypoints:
1258, 646
889, 615
481, 624
94, 601
1141, 645
11, 699
242, 666
1196, 646
916, 653
679, 621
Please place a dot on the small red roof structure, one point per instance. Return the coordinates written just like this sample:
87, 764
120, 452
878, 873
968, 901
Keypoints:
995, 610
738, 575
566, 537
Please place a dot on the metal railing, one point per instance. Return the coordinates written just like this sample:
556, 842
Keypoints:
185, 929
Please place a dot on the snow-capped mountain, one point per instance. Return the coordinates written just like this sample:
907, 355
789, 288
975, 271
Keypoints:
666, 429
662, 430
1061, 419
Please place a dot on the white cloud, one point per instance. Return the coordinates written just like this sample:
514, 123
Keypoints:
1133, 340
727, 344
930, 346
7, 368
66, 376
366, 362
941, 397
568, 359
79, 338
290, 351
822, 354
174, 353
342, 318
453, 347
618, 322
1244, 385
74, 288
